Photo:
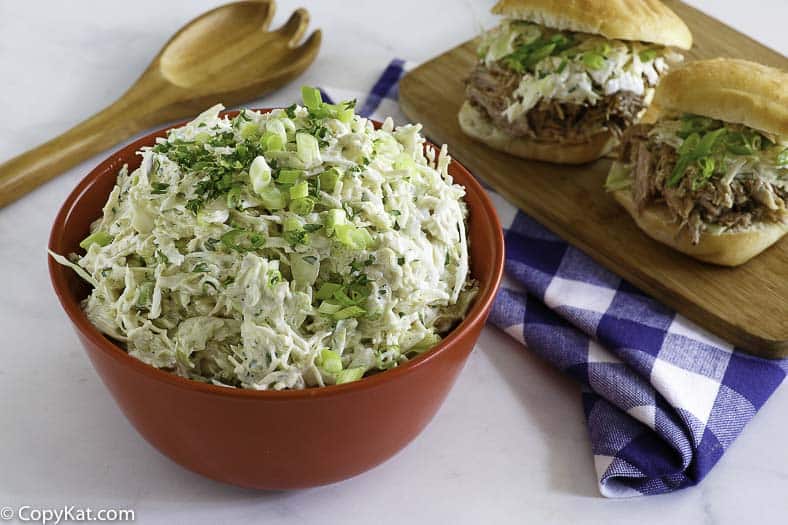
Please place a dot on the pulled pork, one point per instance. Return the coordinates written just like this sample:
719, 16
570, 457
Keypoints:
737, 203
490, 90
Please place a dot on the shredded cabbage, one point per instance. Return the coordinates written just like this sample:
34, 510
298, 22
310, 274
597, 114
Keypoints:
296, 248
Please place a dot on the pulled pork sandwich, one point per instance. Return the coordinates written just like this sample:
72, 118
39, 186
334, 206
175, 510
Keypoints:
710, 177
560, 81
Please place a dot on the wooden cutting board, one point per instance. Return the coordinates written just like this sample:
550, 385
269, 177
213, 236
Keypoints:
747, 305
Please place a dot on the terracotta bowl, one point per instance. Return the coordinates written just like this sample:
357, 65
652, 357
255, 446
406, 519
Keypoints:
274, 440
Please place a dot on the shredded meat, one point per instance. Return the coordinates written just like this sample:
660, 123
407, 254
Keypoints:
745, 200
490, 90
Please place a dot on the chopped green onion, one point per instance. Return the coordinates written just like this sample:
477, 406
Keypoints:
302, 205
707, 165
708, 142
272, 142
288, 176
308, 149
352, 236
300, 190
278, 127
685, 152
678, 171
327, 291
329, 361
293, 233
312, 97
695, 124
738, 144
594, 61
273, 277
159, 188
334, 218
327, 308
249, 130
272, 198
689, 144
513, 64
99, 237
346, 110
647, 55
328, 179
560, 40
259, 174
349, 312
538, 55
146, 294
697, 149
234, 197
342, 298
291, 224
242, 240
350, 375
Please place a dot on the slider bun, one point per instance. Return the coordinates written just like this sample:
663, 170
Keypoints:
726, 249
643, 20
478, 126
735, 91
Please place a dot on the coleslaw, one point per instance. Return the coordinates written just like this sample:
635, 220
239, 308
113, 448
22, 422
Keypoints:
290, 249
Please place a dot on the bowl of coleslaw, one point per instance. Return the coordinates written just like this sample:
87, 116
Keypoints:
278, 298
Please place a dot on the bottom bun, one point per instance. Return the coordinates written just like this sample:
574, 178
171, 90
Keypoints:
726, 249
480, 127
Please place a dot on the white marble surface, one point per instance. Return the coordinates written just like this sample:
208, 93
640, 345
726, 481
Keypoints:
508, 446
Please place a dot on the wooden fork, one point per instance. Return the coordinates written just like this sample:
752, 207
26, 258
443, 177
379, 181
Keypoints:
225, 55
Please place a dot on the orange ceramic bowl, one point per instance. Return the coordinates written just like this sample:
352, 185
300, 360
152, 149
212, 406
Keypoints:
267, 439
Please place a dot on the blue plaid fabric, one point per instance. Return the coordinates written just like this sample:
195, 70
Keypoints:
663, 398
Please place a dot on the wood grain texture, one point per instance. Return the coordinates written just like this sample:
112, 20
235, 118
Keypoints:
747, 305
225, 55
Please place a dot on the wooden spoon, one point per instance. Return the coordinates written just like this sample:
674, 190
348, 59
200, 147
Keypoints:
225, 55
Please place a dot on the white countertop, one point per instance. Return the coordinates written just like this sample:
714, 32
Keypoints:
510, 443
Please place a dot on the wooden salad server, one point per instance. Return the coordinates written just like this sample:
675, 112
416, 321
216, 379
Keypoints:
226, 55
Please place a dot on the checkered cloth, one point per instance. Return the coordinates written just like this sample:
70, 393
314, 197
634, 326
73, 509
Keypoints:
664, 399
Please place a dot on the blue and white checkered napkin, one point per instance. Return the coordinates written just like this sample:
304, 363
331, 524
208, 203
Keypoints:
664, 399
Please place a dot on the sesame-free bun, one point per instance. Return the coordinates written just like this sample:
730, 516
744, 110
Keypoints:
479, 126
643, 20
735, 91
730, 248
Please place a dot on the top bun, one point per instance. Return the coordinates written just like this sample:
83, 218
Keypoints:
643, 20
735, 91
